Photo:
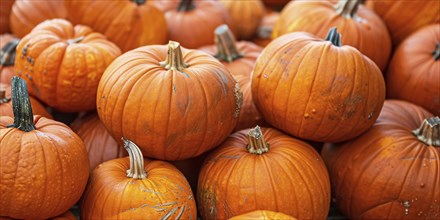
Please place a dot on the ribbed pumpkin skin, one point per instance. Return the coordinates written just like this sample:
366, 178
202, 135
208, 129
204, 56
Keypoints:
263, 215
100, 145
112, 195
367, 32
27, 14
413, 74
233, 181
124, 22
44, 171
405, 17
63, 75
314, 90
170, 115
387, 169
5, 11
6, 71
247, 15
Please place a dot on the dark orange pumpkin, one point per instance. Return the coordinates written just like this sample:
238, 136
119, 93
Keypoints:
27, 14
99, 143
263, 170
5, 11
414, 72
44, 165
264, 31
137, 188
63, 63
263, 215
359, 26
317, 89
8, 45
392, 170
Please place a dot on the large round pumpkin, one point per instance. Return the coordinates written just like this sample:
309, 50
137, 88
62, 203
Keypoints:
137, 188
317, 89
8, 45
359, 26
263, 215
128, 23
173, 102
414, 72
44, 165
63, 63
263, 169
5, 11
392, 170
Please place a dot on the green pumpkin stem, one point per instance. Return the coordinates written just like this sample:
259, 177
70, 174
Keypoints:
226, 44
348, 8
174, 60
7, 54
429, 131
75, 40
21, 106
186, 5
436, 52
139, 2
257, 144
137, 166
334, 37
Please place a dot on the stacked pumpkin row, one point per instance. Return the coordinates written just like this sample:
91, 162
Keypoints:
172, 103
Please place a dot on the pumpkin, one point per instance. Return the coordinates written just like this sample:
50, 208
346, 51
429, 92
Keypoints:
175, 103
5, 11
263, 169
27, 14
414, 71
99, 144
318, 90
63, 63
137, 188
405, 17
359, 26
262, 215
392, 170
128, 23
192, 23
247, 15
264, 31
44, 163
65, 216
8, 44
6, 103
239, 58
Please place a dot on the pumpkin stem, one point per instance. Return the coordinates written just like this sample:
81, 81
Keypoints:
429, 131
334, 37
75, 41
3, 98
137, 167
174, 60
348, 8
21, 106
7, 54
436, 52
186, 5
257, 144
139, 2
226, 44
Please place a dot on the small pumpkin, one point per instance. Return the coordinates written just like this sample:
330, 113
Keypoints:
5, 11
414, 71
8, 45
318, 90
27, 14
254, 167
99, 144
263, 215
393, 168
175, 103
44, 165
359, 26
137, 188
63, 63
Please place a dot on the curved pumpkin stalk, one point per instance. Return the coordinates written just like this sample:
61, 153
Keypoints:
21, 106
137, 166
226, 44
429, 131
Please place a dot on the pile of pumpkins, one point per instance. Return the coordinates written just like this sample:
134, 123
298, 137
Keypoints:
151, 109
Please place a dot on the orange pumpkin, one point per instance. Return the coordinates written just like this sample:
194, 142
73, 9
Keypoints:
173, 102
264, 31
66, 216
8, 44
263, 215
5, 11
359, 26
263, 170
128, 23
27, 14
44, 165
405, 17
414, 72
317, 89
137, 188
100, 145
63, 63
392, 170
